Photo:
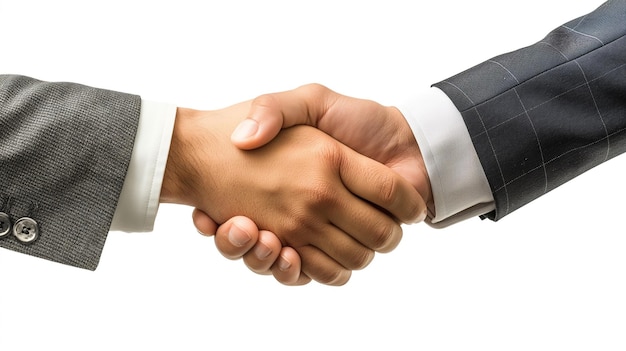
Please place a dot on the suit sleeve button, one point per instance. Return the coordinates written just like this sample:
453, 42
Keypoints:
26, 230
5, 224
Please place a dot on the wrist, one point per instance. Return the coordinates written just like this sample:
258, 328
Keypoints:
456, 175
415, 170
177, 184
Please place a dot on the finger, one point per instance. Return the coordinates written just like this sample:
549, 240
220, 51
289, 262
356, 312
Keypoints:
321, 268
203, 223
380, 185
271, 112
346, 248
264, 253
236, 237
288, 268
364, 223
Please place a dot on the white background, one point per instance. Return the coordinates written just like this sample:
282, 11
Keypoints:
549, 276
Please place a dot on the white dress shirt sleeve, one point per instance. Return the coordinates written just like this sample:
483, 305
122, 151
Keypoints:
139, 201
460, 188
459, 185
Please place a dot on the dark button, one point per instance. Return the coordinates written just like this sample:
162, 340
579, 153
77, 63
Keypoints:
5, 224
26, 230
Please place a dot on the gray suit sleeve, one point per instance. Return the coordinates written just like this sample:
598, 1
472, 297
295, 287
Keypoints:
64, 153
544, 114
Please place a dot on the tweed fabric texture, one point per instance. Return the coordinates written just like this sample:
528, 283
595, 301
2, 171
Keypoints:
64, 153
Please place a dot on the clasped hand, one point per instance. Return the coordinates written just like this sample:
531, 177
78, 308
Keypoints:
323, 208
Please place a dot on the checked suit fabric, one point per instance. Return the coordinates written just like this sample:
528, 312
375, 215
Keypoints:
544, 114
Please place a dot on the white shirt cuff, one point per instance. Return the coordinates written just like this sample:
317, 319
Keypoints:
139, 201
459, 185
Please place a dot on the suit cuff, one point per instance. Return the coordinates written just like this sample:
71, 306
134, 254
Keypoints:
459, 185
139, 201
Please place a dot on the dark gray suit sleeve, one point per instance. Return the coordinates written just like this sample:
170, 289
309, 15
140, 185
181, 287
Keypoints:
64, 153
544, 114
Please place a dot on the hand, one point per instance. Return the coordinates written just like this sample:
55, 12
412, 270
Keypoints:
333, 206
376, 131
371, 129
262, 251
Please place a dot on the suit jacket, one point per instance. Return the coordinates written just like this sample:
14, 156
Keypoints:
64, 153
542, 115
538, 117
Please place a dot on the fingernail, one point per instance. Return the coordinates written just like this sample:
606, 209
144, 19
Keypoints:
237, 236
261, 251
201, 233
283, 264
245, 129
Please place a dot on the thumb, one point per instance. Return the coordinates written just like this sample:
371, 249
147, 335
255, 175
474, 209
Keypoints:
264, 122
270, 113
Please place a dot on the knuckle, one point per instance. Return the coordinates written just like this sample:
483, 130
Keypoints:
385, 237
387, 190
335, 277
326, 149
298, 227
329, 155
314, 89
291, 229
265, 101
361, 259
322, 180
320, 192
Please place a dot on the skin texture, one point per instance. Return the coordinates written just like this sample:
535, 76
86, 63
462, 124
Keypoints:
331, 205
376, 131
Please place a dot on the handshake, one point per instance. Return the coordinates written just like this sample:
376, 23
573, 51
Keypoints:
298, 202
